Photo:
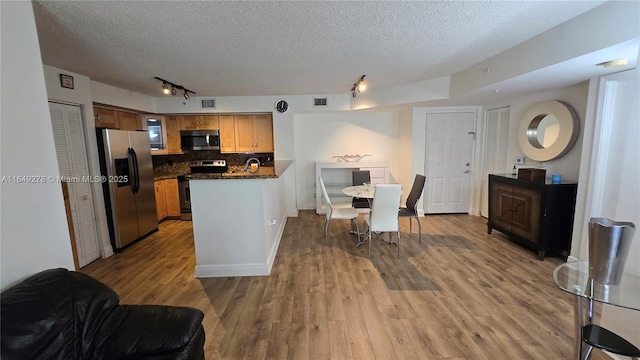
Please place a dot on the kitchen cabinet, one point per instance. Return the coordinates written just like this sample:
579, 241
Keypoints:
161, 206
227, 134
254, 133
199, 122
538, 215
167, 199
172, 198
106, 118
172, 130
157, 128
129, 121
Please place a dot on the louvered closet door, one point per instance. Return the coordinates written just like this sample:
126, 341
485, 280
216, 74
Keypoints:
496, 135
72, 162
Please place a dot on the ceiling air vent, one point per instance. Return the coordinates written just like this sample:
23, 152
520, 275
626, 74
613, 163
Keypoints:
319, 101
208, 103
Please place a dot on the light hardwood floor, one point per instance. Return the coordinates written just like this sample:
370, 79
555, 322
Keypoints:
460, 294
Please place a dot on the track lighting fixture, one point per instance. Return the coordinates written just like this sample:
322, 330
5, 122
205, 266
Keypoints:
174, 88
358, 87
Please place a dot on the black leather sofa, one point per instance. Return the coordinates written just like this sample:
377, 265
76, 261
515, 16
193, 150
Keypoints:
61, 314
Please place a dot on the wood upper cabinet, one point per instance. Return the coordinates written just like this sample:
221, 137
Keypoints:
172, 130
227, 134
254, 133
263, 124
188, 122
129, 121
244, 130
210, 122
199, 122
106, 118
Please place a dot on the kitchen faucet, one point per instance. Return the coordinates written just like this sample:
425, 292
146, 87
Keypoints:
249, 162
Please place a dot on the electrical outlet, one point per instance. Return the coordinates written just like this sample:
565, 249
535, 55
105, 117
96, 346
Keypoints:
519, 160
274, 222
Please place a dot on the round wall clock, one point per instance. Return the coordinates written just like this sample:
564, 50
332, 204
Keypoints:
282, 106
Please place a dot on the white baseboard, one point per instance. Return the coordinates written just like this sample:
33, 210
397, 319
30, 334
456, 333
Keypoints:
292, 213
107, 251
255, 269
206, 271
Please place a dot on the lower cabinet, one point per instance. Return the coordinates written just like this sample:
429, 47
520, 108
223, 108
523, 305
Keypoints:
171, 197
161, 204
537, 215
167, 199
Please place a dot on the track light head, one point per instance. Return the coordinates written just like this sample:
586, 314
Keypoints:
174, 88
358, 87
362, 85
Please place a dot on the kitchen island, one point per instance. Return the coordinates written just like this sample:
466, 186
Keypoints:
238, 220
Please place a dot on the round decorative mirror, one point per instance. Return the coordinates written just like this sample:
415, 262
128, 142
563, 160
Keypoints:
548, 130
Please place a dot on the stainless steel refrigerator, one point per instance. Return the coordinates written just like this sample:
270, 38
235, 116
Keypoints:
127, 175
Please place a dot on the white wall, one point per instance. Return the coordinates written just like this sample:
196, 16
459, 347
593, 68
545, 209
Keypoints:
81, 95
34, 234
568, 165
110, 95
610, 178
234, 237
319, 137
612, 23
405, 156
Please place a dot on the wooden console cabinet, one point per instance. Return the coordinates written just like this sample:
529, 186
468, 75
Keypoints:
538, 215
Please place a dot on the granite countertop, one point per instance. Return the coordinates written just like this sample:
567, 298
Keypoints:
264, 172
164, 177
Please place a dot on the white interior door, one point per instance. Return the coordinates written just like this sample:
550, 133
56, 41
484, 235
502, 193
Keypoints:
71, 152
496, 137
449, 147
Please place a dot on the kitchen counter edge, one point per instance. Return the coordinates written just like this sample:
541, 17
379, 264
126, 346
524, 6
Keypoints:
264, 172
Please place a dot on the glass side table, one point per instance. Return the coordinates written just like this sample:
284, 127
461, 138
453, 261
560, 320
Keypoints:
573, 277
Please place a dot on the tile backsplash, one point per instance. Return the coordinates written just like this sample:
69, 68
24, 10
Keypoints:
178, 164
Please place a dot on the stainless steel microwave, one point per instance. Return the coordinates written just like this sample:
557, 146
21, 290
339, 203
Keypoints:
200, 139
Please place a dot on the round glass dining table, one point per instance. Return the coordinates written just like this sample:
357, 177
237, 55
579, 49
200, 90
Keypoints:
573, 277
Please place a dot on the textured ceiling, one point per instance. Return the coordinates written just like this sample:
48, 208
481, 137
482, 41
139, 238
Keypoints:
219, 48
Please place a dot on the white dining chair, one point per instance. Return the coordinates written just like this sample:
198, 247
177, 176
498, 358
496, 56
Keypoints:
384, 212
336, 213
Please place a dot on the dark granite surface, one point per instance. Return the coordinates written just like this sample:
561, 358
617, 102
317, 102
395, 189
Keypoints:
264, 172
171, 166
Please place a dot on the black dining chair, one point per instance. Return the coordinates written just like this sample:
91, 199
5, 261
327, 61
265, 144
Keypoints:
411, 210
359, 177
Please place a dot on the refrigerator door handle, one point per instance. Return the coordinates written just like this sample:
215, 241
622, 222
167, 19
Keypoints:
136, 180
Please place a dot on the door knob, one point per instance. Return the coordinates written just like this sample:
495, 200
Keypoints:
466, 172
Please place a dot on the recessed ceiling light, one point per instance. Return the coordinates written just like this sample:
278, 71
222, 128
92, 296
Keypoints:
614, 63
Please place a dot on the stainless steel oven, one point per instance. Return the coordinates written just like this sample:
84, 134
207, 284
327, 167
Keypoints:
185, 197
